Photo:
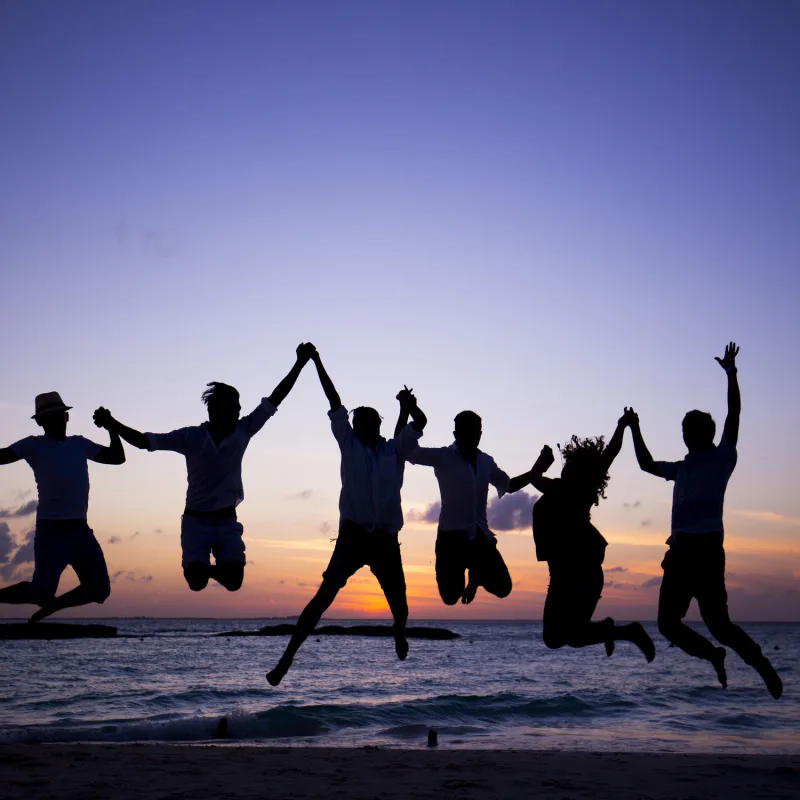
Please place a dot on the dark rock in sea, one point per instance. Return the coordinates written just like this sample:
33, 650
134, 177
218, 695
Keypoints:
55, 630
286, 629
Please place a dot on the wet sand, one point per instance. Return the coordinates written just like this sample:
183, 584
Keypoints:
85, 772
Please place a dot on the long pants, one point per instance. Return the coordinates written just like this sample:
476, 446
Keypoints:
572, 598
456, 553
694, 567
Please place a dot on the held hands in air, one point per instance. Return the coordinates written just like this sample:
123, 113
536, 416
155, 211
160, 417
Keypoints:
545, 460
406, 398
102, 417
629, 419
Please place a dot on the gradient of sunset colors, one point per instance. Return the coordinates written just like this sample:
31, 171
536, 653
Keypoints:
540, 211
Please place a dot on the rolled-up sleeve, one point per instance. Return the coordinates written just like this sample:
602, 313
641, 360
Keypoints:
499, 480
427, 456
406, 441
254, 421
92, 449
174, 441
340, 425
667, 469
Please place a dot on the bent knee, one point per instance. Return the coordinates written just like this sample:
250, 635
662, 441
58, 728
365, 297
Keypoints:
502, 591
449, 599
101, 593
232, 582
553, 642
196, 576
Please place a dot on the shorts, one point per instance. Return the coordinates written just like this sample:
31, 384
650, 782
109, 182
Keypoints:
63, 543
200, 538
572, 596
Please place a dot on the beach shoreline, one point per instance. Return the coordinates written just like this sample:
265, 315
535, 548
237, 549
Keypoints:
127, 771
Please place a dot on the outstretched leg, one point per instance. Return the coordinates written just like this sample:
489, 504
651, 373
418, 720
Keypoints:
677, 590
348, 557
306, 623
387, 566
714, 610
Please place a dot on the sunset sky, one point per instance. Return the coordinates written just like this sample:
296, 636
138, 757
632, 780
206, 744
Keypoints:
540, 211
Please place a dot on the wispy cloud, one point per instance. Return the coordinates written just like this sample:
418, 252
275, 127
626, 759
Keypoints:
25, 510
617, 569
654, 581
768, 516
11, 566
114, 539
130, 575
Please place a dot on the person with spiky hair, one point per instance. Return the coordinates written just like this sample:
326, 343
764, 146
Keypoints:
63, 537
370, 513
694, 564
574, 549
213, 452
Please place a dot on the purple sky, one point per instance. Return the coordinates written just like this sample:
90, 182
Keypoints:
541, 211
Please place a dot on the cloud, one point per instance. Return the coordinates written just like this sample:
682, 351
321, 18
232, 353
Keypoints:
25, 510
654, 581
6, 542
617, 569
634, 504
512, 512
304, 495
10, 565
129, 575
766, 516
114, 539
326, 527
646, 523
430, 515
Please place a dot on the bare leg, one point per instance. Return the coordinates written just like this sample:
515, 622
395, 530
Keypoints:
79, 596
306, 623
21, 593
229, 574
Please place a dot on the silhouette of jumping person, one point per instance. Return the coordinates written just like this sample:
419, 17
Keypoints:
63, 538
213, 452
574, 549
694, 565
464, 543
370, 515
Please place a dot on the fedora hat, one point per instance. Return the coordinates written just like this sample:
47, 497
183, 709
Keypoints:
47, 402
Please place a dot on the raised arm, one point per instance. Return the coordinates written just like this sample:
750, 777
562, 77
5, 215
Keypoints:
279, 393
114, 453
409, 408
730, 432
327, 384
646, 461
615, 442
541, 465
7, 456
103, 419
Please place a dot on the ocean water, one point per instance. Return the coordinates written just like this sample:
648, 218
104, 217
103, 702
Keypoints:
496, 687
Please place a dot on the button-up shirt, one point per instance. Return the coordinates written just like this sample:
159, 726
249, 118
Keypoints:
371, 478
699, 493
214, 471
464, 488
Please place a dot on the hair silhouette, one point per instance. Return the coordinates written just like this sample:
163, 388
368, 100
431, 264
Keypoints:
583, 460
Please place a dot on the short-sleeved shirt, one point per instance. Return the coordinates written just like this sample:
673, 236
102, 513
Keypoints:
371, 478
463, 488
214, 472
562, 528
700, 483
61, 472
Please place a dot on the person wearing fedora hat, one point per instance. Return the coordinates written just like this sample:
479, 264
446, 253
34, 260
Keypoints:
213, 453
63, 537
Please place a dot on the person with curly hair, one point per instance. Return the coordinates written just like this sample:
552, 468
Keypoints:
694, 565
574, 549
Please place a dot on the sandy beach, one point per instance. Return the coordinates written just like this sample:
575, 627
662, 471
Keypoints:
176, 772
